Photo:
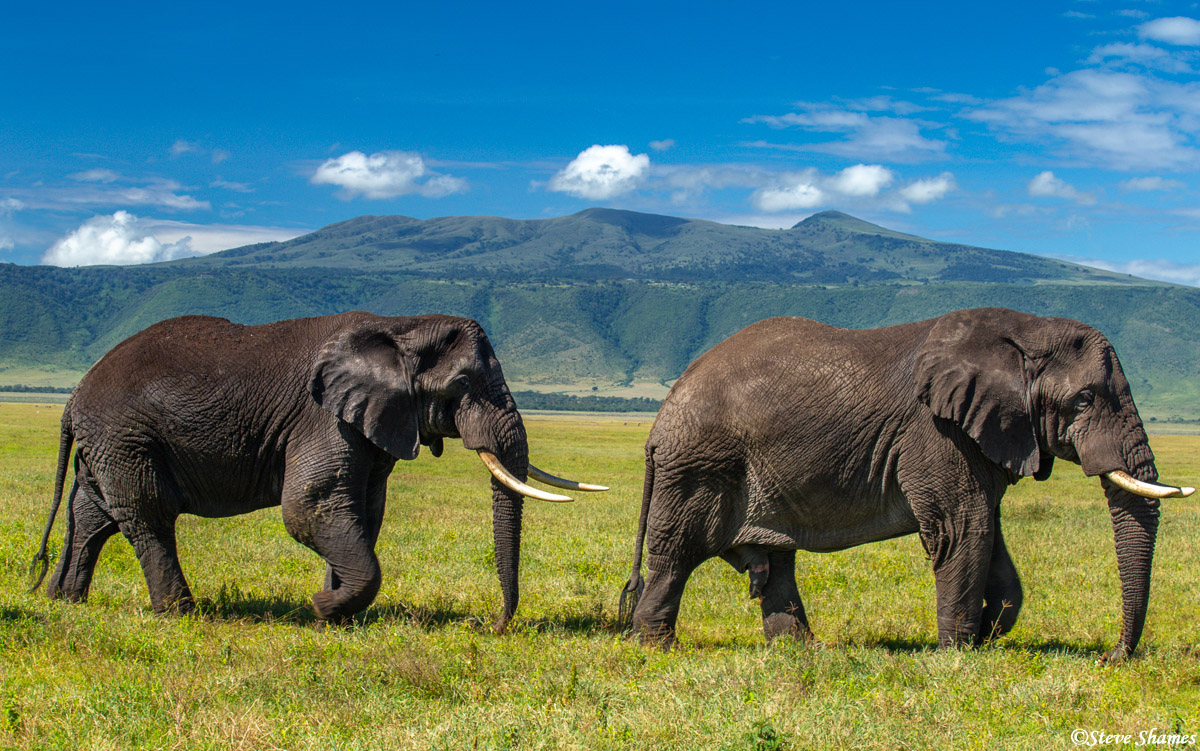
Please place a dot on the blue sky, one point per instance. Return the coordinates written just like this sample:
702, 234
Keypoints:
135, 133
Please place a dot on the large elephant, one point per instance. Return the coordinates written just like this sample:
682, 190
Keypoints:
793, 435
202, 416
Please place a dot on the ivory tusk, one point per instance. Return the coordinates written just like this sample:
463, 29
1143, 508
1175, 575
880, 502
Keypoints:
559, 482
1146, 489
507, 480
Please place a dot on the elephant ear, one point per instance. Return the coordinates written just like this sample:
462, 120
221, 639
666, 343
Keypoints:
972, 371
363, 376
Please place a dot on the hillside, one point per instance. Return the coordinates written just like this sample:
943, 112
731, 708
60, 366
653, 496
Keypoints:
628, 335
608, 244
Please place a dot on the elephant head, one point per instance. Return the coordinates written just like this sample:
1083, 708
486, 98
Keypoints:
408, 382
1030, 389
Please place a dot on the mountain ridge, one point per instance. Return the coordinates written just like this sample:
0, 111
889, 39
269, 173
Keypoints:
612, 244
605, 298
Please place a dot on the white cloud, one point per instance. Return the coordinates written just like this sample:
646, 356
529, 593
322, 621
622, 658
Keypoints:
219, 155
1045, 184
685, 182
115, 239
96, 176
1147, 268
227, 185
1177, 30
1106, 118
10, 205
1146, 184
861, 180
1140, 54
862, 185
181, 147
663, 145
123, 238
96, 191
210, 238
929, 189
385, 174
6, 243
796, 190
867, 136
601, 172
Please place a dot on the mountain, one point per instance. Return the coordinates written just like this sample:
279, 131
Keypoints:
601, 298
608, 244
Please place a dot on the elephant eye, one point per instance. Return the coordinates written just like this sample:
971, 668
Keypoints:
459, 385
1084, 400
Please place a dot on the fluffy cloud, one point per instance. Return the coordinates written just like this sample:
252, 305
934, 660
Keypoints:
861, 180
385, 174
1175, 30
795, 191
1045, 184
1106, 118
123, 238
929, 189
1146, 184
115, 239
601, 172
859, 184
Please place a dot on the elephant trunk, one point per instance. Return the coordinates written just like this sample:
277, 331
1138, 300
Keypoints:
491, 425
1135, 529
507, 506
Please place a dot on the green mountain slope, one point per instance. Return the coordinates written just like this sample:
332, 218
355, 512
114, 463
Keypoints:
596, 244
553, 329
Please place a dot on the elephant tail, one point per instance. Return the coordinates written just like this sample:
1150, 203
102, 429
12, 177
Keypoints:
633, 588
42, 559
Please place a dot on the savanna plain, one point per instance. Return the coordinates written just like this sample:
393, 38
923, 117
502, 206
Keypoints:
421, 668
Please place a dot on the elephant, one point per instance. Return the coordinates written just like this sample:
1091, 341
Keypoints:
794, 435
202, 416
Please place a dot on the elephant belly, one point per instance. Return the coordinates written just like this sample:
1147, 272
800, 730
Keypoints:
824, 521
229, 491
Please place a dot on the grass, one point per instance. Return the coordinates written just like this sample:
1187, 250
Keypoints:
420, 668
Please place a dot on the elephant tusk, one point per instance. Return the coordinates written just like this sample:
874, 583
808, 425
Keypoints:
559, 482
507, 480
1146, 489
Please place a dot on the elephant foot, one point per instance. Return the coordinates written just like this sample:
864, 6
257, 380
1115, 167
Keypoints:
325, 605
662, 637
54, 593
786, 625
183, 606
1116, 656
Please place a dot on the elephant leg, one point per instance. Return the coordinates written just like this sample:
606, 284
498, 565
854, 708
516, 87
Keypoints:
782, 610
658, 608
1003, 595
376, 497
330, 516
154, 544
960, 546
89, 525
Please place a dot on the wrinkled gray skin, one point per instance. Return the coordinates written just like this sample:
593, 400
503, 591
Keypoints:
793, 435
197, 415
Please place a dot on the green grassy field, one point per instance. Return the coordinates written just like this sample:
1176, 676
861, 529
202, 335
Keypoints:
420, 669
